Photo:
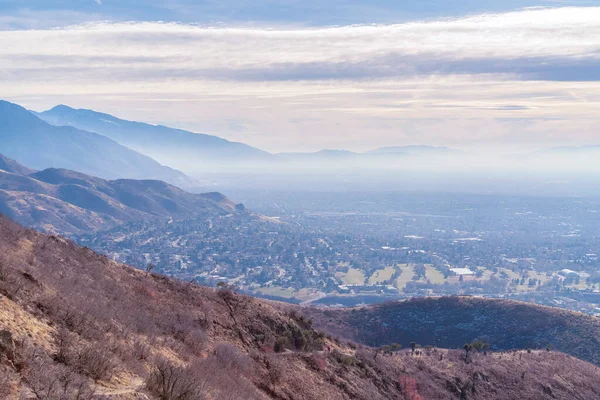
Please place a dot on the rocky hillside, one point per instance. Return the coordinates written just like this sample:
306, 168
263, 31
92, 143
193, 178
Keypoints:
453, 321
75, 325
67, 202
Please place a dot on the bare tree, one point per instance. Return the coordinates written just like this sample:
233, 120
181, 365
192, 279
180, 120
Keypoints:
168, 382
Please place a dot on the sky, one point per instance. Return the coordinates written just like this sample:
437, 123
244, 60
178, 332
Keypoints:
295, 75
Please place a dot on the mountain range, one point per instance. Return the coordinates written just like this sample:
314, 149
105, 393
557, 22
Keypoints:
395, 153
195, 152
139, 144
574, 150
76, 325
68, 202
178, 148
33, 142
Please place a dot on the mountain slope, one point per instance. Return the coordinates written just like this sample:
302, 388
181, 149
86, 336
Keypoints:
37, 144
69, 202
194, 152
453, 321
9, 165
171, 146
383, 158
74, 324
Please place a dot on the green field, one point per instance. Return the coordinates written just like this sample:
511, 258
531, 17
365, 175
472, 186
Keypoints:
582, 285
353, 277
511, 274
381, 276
286, 293
407, 275
433, 275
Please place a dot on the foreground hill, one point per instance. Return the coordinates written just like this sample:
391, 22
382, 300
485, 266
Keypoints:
75, 325
171, 146
453, 321
68, 202
37, 144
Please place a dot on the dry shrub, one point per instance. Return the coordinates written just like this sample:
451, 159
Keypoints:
317, 362
66, 342
3, 269
231, 359
13, 284
409, 387
220, 375
48, 380
95, 363
206, 322
8, 381
276, 368
141, 351
168, 382
422, 365
196, 340
227, 384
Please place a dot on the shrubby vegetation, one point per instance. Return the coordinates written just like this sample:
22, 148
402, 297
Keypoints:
76, 325
451, 322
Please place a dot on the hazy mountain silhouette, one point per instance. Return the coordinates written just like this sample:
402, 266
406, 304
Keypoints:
418, 150
573, 150
37, 144
171, 146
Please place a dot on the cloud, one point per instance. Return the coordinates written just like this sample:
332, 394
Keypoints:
99, 2
379, 84
561, 44
540, 39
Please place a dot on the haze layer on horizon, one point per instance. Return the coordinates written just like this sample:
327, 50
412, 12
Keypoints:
513, 75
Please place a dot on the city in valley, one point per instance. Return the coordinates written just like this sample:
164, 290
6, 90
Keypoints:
349, 248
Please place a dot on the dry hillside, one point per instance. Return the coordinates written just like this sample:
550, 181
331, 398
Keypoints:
69, 202
453, 321
75, 325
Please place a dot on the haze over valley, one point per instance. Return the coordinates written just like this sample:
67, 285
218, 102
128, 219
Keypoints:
368, 227
299, 200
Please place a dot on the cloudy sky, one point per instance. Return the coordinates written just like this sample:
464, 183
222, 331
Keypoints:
291, 75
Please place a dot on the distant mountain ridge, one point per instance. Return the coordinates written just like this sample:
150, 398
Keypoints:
187, 150
69, 202
416, 150
574, 149
400, 151
37, 144
170, 146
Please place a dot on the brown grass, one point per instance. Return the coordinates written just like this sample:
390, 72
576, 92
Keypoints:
87, 327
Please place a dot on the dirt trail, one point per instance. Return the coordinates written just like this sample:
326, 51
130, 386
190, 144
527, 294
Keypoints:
130, 391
